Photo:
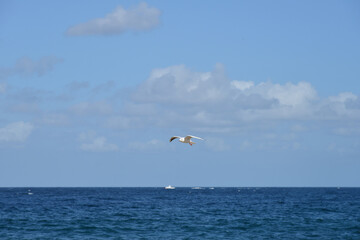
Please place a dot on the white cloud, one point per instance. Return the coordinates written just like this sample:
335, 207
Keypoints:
344, 105
139, 18
94, 143
16, 132
242, 85
290, 94
343, 97
209, 99
180, 85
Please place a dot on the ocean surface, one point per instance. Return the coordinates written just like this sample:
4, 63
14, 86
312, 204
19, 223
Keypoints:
182, 213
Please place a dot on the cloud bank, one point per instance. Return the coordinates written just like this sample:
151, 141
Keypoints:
210, 100
180, 99
139, 18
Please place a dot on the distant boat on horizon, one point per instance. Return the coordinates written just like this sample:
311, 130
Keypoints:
169, 187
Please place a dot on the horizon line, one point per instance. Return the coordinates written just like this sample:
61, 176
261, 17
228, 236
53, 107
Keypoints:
180, 186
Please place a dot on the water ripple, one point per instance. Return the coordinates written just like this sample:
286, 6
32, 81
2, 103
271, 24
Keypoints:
183, 213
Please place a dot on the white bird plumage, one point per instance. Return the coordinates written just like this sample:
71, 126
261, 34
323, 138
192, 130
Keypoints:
186, 139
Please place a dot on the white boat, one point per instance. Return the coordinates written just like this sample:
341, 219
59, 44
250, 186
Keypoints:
196, 188
169, 187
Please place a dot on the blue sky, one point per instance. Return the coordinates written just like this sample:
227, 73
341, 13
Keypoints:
91, 92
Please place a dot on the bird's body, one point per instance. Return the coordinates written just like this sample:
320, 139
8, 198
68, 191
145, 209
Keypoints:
186, 139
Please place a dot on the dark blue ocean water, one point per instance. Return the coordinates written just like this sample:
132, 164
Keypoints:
183, 213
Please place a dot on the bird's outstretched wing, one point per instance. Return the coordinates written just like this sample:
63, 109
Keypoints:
187, 138
174, 137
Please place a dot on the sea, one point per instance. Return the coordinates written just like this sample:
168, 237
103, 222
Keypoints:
181, 213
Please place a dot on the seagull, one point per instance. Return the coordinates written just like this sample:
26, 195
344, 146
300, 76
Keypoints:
186, 139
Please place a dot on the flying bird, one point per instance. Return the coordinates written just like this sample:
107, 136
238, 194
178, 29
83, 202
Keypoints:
186, 139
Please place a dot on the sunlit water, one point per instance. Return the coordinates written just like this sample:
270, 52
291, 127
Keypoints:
183, 213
